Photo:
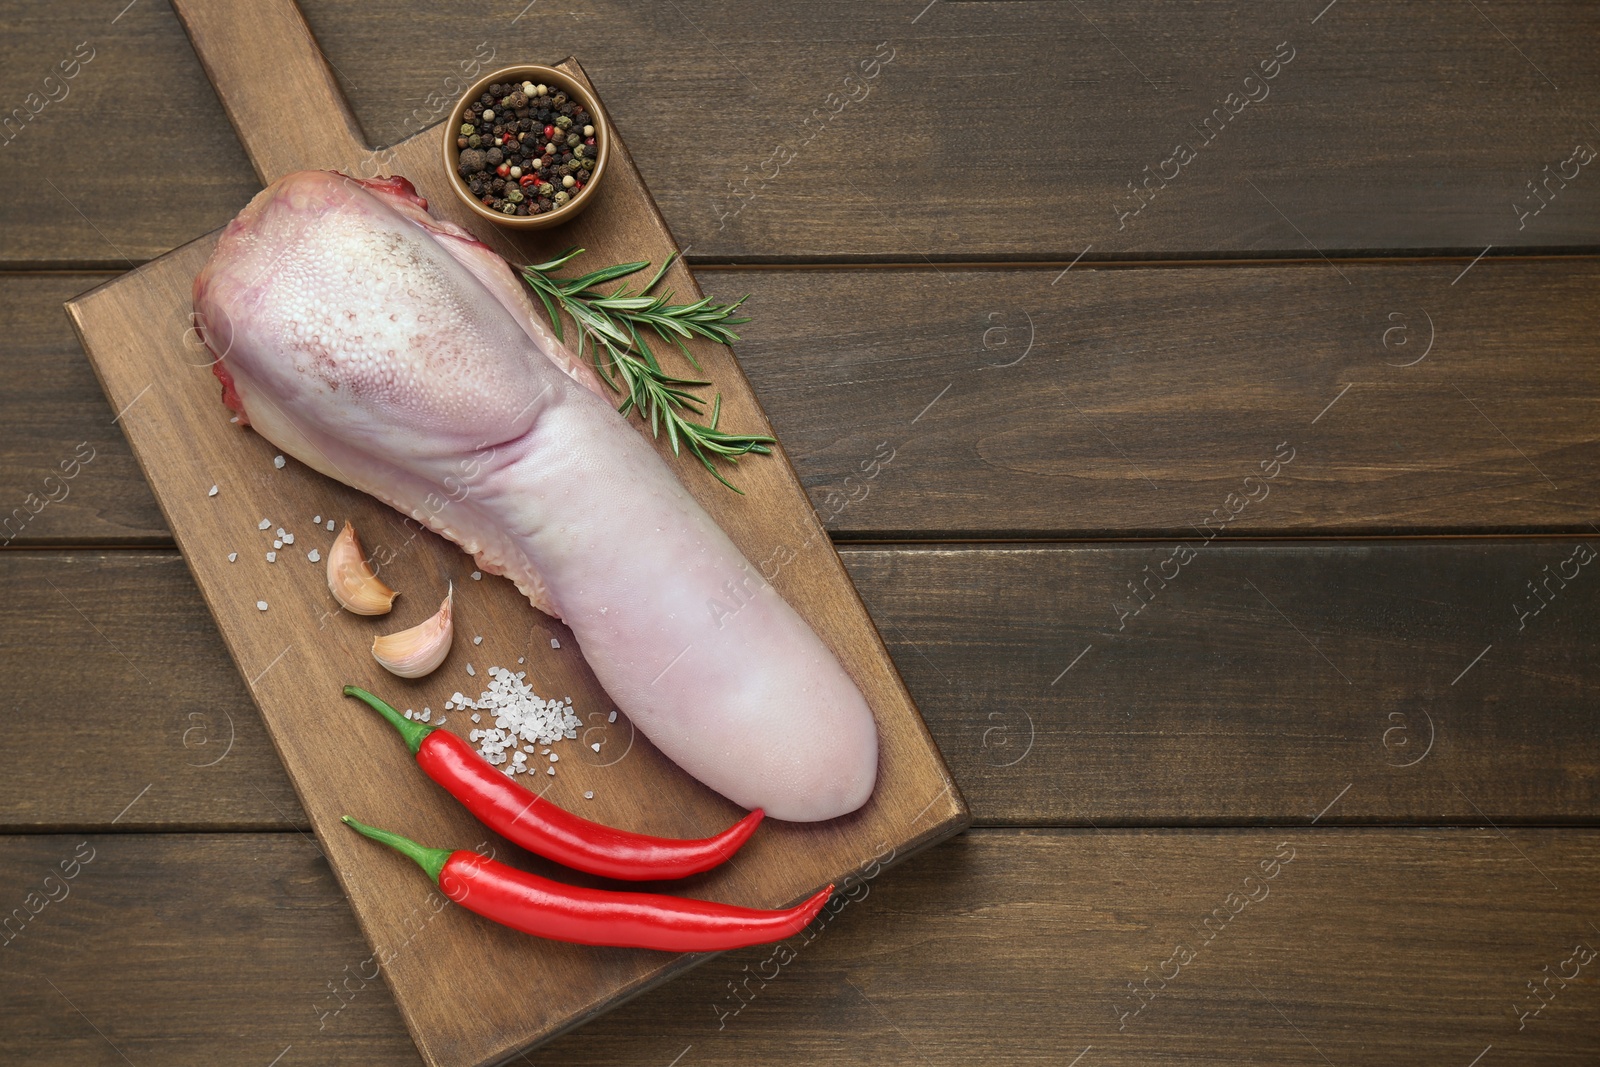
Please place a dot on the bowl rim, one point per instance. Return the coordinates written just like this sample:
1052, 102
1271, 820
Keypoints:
546, 75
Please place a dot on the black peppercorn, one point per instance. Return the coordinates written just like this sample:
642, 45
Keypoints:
494, 157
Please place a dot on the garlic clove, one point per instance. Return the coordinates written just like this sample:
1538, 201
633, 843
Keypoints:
351, 580
418, 651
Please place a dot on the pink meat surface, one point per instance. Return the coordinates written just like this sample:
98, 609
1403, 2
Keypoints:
397, 354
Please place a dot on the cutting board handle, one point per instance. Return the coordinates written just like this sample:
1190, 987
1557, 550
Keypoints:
276, 87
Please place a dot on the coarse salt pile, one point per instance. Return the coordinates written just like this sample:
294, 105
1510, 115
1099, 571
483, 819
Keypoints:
521, 716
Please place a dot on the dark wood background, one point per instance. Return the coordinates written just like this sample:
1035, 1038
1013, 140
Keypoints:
1351, 673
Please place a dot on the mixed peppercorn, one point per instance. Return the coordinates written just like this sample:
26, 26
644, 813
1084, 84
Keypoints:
526, 149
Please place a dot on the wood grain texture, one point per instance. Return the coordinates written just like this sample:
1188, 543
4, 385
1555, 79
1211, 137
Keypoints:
1224, 707
1016, 129
134, 330
141, 110
1145, 398
1367, 140
1005, 947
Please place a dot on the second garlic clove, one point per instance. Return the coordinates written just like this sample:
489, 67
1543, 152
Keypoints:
418, 651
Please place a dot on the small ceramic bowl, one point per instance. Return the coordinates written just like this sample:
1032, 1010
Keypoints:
539, 75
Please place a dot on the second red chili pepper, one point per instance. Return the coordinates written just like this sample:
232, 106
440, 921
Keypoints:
562, 912
545, 829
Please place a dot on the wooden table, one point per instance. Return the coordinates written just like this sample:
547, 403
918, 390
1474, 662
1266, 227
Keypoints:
1238, 545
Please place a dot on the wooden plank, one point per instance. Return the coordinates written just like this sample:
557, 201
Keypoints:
1146, 397
133, 330
163, 164
1252, 677
1052, 99
68, 472
1018, 129
1213, 696
1002, 946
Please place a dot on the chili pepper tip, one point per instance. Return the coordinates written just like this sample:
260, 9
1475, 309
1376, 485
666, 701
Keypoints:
410, 729
431, 860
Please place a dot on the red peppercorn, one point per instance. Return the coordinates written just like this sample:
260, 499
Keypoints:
504, 170
588, 140
549, 132
488, 201
526, 180
576, 185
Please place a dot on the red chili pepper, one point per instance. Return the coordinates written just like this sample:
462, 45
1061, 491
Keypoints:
562, 912
546, 829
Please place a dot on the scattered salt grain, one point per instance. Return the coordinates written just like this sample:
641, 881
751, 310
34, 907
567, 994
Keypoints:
588, 794
477, 640
550, 770
232, 556
595, 746
554, 758
261, 605
234, 419
477, 576
612, 717
521, 660
264, 524
316, 520
313, 555
280, 532
521, 718
212, 491
554, 643
272, 557
277, 544
288, 538
277, 461
330, 525
408, 713
471, 672
427, 713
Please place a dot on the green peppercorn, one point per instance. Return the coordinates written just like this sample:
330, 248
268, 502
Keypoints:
513, 194
508, 207
474, 141
467, 129
579, 150
559, 99
574, 140
564, 122
546, 189
562, 197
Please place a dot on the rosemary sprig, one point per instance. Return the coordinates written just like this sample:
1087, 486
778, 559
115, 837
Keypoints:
612, 327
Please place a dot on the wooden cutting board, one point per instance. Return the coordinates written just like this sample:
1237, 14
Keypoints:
470, 992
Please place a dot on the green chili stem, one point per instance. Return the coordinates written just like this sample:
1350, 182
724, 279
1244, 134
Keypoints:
431, 860
410, 729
